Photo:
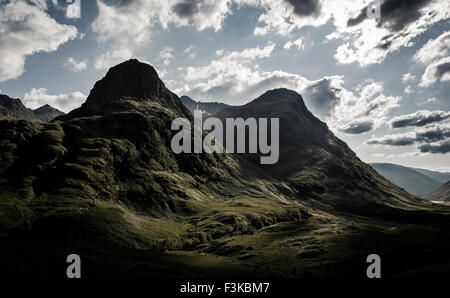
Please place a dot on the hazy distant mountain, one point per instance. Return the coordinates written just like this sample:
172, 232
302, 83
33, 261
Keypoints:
441, 194
47, 113
209, 107
439, 176
13, 109
410, 179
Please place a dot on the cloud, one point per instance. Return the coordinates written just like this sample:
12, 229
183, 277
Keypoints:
284, 16
74, 65
401, 21
112, 58
419, 118
234, 78
166, 55
190, 51
441, 147
305, 8
431, 139
358, 127
363, 110
438, 71
132, 21
299, 44
36, 98
203, 13
409, 89
25, 30
433, 133
434, 48
366, 40
323, 95
394, 140
408, 77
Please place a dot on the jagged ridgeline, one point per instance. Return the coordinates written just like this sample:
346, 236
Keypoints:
105, 173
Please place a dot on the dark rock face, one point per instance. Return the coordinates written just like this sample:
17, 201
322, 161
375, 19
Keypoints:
47, 113
128, 81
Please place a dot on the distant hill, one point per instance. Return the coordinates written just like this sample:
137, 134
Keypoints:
209, 107
47, 113
439, 176
13, 109
441, 194
410, 179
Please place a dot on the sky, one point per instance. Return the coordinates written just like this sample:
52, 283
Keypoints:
377, 72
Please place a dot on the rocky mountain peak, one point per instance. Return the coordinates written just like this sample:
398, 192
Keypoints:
130, 79
282, 94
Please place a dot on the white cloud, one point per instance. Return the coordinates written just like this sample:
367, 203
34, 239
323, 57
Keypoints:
436, 71
74, 65
408, 77
234, 78
369, 106
166, 55
111, 58
25, 30
36, 98
299, 44
409, 89
73, 11
190, 51
434, 48
136, 19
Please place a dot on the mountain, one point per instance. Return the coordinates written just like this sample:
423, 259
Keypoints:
442, 194
211, 108
47, 113
314, 162
103, 181
439, 176
13, 109
410, 179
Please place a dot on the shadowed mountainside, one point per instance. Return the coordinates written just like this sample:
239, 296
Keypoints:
441, 194
13, 109
210, 108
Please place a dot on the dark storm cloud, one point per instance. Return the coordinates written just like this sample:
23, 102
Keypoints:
442, 148
395, 14
433, 135
322, 97
186, 9
305, 8
420, 118
396, 140
442, 69
358, 127
434, 139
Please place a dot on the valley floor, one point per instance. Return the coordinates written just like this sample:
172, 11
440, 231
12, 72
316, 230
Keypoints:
321, 247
